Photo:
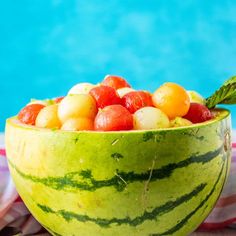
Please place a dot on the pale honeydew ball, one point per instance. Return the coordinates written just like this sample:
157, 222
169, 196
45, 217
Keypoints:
75, 106
196, 97
75, 124
180, 122
81, 88
123, 91
47, 117
150, 118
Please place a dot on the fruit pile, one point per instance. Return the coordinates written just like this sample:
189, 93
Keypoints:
113, 105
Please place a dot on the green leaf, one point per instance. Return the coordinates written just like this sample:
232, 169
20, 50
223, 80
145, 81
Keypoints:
226, 94
232, 80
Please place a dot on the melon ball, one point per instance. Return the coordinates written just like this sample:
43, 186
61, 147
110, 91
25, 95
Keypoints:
75, 106
81, 88
180, 122
196, 97
75, 124
123, 91
150, 118
198, 113
172, 99
47, 117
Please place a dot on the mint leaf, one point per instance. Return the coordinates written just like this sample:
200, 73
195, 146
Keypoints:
226, 94
232, 80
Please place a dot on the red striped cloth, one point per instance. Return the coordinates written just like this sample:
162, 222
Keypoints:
224, 213
15, 217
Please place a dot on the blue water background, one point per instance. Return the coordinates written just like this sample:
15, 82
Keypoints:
47, 46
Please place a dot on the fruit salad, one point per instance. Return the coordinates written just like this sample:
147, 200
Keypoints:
113, 105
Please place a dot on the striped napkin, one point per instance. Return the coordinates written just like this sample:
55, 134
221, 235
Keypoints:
15, 217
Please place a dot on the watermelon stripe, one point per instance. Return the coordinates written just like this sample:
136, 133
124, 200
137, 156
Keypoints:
185, 219
158, 211
68, 183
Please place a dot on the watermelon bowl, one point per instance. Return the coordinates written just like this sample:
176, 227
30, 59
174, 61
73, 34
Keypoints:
154, 182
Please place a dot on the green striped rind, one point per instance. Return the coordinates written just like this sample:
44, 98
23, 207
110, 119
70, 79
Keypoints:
147, 215
119, 181
180, 224
157, 212
137, 183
